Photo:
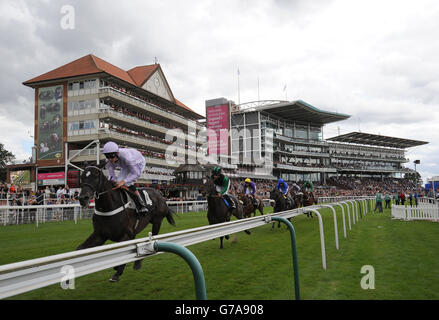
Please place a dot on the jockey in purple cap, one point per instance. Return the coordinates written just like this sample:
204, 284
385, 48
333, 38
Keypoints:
131, 162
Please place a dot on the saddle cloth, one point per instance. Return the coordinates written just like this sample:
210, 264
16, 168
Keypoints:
146, 197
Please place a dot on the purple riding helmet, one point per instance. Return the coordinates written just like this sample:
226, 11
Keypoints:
110, 147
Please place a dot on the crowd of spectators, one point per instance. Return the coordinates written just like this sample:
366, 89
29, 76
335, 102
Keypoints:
143, 99
399, 190
369, 186
17, 196
142, 134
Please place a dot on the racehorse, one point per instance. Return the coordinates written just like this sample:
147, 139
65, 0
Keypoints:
297, 196
114, 218
249, 207
308, 201
217, 210
281, 203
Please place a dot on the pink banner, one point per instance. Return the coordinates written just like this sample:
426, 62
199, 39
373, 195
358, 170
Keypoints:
218, 129
49, 176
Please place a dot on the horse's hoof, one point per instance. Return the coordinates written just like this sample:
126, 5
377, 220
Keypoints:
114, 279
137, 265
227, 238
247, 231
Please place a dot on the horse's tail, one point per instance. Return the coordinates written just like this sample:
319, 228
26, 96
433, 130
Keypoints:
170, 217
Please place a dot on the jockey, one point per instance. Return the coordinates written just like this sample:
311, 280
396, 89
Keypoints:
131, 162
222, 184
295, 187
249, 187
250, 190
282, 186
309, 187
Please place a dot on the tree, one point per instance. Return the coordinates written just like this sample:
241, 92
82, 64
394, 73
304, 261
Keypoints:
5, 157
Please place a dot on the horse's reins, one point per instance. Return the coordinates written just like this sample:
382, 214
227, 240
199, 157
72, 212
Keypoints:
96, 194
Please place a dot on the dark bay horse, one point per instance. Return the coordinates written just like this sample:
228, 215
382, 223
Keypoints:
249, 207
280, 203
297, 196
308, 200
217, 210
114, 218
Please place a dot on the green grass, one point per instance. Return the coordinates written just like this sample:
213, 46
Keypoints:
259, 266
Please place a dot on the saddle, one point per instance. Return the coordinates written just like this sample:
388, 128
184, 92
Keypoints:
129, 196
227, 199
253, 200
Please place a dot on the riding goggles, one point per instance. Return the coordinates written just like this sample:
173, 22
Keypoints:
110, 155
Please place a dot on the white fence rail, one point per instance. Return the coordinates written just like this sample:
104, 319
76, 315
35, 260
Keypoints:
421, 212
12, 214
20, 277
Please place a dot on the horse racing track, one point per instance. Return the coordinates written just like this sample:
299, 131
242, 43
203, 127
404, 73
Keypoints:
402, 256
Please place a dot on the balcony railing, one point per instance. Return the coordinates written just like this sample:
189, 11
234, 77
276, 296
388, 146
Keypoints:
127, 118
123, 96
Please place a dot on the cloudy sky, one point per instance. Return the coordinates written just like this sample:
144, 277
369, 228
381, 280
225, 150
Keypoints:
372, 59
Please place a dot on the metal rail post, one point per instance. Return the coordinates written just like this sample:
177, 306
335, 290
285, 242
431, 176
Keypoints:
294, 250
353, 210
335, 223
322, 236
197, 270
344, 220
349, 214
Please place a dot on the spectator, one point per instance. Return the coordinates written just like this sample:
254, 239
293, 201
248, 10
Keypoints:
379, 202
67, 192
402, 198
59, 192
387, 199
396, 198
47, 193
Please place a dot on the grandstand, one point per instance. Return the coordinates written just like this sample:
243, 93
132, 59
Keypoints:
87, 102
298, 152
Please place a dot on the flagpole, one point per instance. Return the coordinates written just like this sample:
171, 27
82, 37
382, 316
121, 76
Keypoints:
239, 96
258, 90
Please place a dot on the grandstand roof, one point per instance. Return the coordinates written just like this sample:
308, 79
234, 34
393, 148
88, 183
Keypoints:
376, 140
91, 65
295, 111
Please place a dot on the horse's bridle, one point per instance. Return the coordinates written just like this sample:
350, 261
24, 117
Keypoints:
93, 188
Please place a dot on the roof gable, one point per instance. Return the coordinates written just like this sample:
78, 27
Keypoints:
142, 73
157, 84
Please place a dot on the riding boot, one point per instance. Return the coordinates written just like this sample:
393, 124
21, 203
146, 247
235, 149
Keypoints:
232, 205
255, 202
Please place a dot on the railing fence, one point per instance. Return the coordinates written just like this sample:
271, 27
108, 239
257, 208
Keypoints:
28, 275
